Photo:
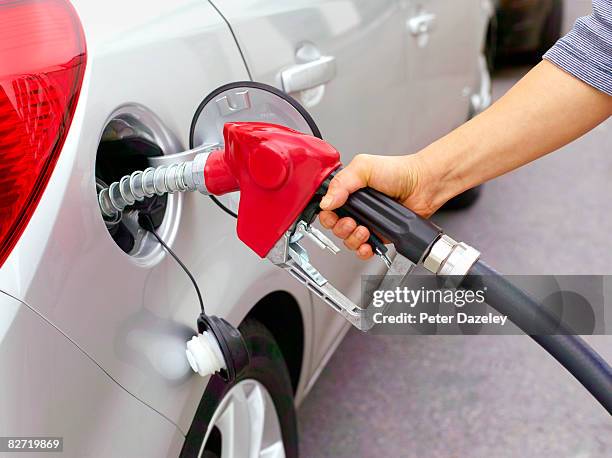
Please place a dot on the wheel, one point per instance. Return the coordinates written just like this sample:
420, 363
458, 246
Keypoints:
551, 30
490, 50
254, 416
464, 200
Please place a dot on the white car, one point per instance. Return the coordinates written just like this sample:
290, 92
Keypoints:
93, 324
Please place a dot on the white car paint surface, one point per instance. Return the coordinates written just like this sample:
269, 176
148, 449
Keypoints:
91, 338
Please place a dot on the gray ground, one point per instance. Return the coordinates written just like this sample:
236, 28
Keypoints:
477, 396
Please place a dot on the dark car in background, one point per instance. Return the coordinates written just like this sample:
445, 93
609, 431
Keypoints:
523, 29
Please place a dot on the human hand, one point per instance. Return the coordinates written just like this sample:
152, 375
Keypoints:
403, 178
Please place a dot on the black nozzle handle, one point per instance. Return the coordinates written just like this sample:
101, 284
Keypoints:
411, 234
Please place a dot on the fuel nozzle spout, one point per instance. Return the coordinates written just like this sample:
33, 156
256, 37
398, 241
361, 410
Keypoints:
165, 179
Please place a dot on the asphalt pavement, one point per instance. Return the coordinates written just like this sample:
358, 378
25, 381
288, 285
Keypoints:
483, 396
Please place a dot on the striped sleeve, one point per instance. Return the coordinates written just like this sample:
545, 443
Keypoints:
586, 51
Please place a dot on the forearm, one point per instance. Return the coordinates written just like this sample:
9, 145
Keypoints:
547, 109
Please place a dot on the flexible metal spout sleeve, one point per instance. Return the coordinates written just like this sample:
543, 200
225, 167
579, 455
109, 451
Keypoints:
165, 179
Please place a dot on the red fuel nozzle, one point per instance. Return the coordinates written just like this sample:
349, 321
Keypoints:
277, 171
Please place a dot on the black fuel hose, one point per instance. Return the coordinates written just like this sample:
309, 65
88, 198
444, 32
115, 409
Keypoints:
413, 236
570, 350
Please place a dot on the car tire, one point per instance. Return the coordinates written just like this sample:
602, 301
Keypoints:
551, 30
490, 51
464, 200
268, 373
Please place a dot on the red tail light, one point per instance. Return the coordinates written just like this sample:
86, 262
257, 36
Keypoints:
42, 61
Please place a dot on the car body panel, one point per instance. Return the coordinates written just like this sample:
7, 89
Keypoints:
133, 316
127, 318
55, 389
442, 78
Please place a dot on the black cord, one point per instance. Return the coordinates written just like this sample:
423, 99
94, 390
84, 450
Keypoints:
223, 207
146, 218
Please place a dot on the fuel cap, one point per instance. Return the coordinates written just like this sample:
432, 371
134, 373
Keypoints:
245, 101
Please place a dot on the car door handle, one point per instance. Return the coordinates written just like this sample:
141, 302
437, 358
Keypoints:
309, 74
422, 23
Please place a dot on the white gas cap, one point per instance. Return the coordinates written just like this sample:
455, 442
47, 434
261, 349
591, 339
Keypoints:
204, 354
